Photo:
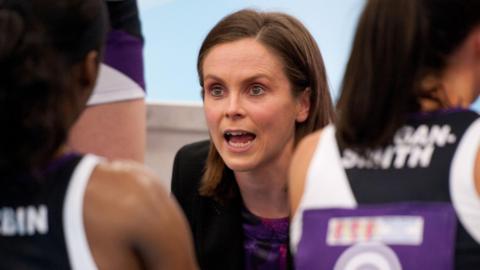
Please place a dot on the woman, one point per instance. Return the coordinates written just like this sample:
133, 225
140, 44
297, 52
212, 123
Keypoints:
264, 88
58, 209
395, 183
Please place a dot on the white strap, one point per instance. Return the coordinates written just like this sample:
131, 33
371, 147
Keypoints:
465, 198
77, 245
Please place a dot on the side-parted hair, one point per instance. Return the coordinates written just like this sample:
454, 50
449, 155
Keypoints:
396, 46
41, 41
291, 42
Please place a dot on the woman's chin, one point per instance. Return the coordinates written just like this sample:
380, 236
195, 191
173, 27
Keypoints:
237, 165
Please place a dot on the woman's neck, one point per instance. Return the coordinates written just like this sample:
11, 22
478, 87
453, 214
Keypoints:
266, 195
456, 86
454, 90
264, 190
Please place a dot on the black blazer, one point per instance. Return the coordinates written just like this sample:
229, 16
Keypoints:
216, 228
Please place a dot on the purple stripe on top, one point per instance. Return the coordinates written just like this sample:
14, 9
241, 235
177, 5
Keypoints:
59, 162
124, 52
52, 166
428, 114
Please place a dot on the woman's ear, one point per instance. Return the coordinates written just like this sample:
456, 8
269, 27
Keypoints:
475, 57
303, 105
89, 70
85, 72
84, 76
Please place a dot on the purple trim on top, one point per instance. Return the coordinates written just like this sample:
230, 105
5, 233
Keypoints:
124, 52
58, 162
50, 167
436, 113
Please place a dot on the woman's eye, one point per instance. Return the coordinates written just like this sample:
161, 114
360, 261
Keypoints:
216, 91
256, 90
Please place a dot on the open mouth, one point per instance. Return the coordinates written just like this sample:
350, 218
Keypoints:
239, 139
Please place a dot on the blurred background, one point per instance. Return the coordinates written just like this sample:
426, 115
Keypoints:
174, 31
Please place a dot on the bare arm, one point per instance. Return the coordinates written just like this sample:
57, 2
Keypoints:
172, 236
132, 223
299, 168
113, 130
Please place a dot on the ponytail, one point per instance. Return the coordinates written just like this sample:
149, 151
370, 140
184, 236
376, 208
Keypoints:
31, 75
37, 103
397, 44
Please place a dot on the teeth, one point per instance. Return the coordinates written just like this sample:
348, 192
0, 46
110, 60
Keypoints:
236, 133
239, 144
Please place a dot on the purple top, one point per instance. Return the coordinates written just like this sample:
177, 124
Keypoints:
266, 242
121, 46
417, 236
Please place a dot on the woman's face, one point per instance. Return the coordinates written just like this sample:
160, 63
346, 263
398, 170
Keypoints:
249, 106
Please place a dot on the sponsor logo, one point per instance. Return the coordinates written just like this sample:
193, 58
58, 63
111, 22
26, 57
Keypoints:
390, 230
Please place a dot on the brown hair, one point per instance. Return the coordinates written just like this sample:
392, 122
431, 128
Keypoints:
303, 66
397, 45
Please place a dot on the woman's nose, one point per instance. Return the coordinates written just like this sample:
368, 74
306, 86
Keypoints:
234, 108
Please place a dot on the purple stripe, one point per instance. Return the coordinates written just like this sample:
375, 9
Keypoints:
124, 52
436, 113
59, 162
39, 173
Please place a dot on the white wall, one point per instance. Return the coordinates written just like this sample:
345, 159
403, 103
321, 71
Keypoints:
169, 127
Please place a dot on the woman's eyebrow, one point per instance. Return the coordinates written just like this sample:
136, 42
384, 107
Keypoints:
212, 77
247, 79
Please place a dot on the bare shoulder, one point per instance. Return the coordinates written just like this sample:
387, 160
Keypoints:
128, 177
310, 141
305, 150
299, 167
128, 200
127, 186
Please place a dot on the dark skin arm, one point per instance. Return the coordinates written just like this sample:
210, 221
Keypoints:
132, 223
